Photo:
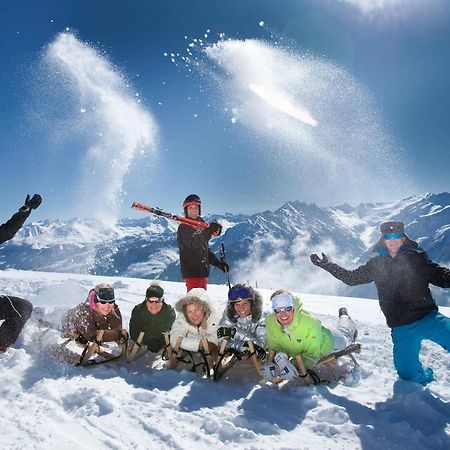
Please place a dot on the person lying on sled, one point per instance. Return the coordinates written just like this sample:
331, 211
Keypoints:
99, 312
154, 317
196, 320
292, 331
243, 321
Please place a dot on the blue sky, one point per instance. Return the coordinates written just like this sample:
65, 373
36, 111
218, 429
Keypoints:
376, 81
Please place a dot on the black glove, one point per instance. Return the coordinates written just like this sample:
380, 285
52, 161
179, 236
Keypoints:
215, 228
260, 352
226, 332
123, 337
31, 203
317, 261
223, 266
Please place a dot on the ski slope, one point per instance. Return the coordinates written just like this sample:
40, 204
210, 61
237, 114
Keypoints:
45, 404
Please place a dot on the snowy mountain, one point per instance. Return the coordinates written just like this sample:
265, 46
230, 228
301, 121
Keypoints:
46, 404
268, 249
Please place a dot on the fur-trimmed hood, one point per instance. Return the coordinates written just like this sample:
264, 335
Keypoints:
257, 307
196, 296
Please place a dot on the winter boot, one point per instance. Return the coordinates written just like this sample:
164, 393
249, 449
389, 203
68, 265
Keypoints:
343, 312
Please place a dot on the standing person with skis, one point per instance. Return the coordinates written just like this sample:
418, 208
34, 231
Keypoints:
195, 254
154, 317
292, 331
243, 321
15, 311
402, 273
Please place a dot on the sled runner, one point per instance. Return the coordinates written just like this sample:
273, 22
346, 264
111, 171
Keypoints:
201, 359
312, 376
94, 352
227, 359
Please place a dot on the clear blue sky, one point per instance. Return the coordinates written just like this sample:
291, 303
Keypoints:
398, 54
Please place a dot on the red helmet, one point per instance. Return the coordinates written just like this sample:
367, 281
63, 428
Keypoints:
192, 199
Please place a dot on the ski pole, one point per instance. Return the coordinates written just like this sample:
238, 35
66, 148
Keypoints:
224, 260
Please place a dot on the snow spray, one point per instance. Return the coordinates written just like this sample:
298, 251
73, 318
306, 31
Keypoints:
116, 124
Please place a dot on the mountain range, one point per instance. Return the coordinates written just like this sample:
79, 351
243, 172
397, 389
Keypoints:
268, 249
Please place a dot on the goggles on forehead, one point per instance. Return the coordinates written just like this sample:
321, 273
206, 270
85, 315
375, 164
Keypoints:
389, 236
239, 292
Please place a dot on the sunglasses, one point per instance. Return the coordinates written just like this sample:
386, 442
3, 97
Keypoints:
106, 302
240, 292
287, 309
392, 236
154, 300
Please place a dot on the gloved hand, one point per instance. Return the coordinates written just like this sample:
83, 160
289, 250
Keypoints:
260, 352
223, 266
123, 337
317, 261
31, 203
215, 228
226, 332
286, 368
270, 371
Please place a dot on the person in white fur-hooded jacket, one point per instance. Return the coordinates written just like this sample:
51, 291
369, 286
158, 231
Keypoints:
196, 319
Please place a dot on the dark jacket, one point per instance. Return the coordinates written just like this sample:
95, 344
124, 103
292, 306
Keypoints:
195, 255
84, 321
10, 228
152, 325
402, 283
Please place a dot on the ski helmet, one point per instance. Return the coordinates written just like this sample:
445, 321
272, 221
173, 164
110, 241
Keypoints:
192, 199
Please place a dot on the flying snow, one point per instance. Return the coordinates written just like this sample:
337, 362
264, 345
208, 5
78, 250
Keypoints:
117, 125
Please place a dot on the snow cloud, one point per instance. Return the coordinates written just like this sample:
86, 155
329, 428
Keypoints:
273, 264
316, 121
115, 125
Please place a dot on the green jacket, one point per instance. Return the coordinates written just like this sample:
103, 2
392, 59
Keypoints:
305, 335
152, 325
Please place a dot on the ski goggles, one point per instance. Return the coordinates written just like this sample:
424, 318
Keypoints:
154, 300
390, 236
240, 292
105, 295
280, 310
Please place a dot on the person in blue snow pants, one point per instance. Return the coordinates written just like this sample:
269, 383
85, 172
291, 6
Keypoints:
407, 340
402, 273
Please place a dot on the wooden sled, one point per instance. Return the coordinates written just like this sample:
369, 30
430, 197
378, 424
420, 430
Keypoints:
227, 359
201, 359
91, 351
310, 376
137, 349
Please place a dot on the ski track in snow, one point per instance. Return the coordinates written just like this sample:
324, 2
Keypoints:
140, 405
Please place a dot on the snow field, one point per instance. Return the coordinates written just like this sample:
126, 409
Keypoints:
45, 403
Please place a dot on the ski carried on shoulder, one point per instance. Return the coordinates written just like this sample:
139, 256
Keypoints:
196, 224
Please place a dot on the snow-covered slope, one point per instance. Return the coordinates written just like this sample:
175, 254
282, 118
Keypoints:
45, 404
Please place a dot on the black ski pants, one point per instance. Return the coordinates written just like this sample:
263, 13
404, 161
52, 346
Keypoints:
15, 312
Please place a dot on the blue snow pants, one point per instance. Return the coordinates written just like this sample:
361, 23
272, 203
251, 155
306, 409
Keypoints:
407, 340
